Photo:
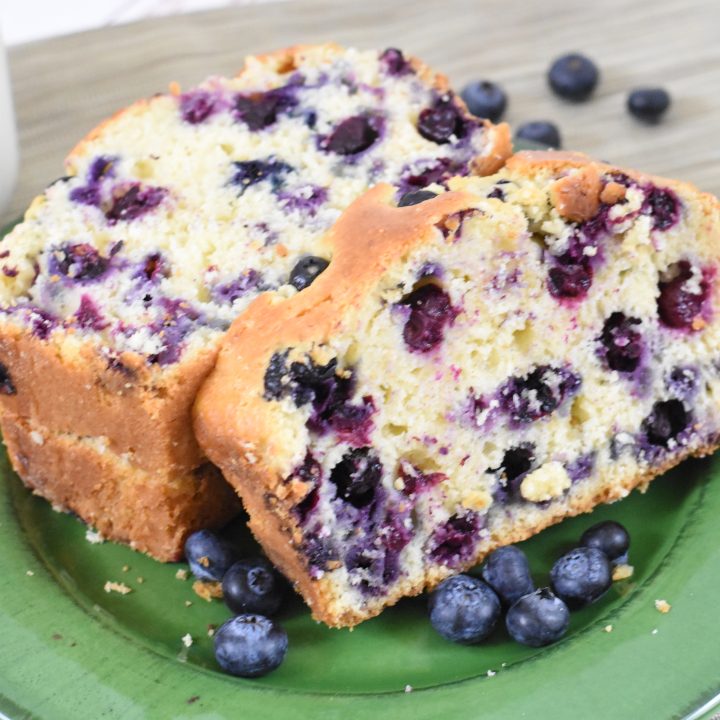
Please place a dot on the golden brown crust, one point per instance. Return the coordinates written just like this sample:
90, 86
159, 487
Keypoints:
533, 162
74, 389
499, 150
577, 197
151, 511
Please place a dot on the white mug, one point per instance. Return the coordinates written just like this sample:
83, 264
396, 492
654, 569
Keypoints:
8, 134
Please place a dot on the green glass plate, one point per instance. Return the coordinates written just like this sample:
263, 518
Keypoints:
68, 649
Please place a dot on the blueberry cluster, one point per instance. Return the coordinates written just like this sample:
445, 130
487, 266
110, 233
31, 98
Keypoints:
572, 77
467, 609
250, 644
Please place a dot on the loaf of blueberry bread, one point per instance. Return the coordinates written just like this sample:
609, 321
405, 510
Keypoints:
123, 277
490, 360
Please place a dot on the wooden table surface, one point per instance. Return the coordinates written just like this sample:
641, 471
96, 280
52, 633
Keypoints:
66, 85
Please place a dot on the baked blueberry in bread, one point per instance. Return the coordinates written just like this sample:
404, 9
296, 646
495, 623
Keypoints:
175, 213
489, 361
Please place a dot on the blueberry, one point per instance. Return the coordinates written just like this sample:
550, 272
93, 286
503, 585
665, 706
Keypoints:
573, 76
538, 619
570, 281
507, 572
537, 394
516, 464
648, 104
430, 311
260, 110
622, 343
305, 271
197, 106
542, 132
252, 172
395, 62
7, 386
276, 374
357, 476
134, 202
208, 555
581, 576
252, 586
666, 421
609, 536
86, 195
441, 122
352, 136
464, 609
678, 304
485, 99
81, 262
250, 646
664, 207
454, 542
415, 197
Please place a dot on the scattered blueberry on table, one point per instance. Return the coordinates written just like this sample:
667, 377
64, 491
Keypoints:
485, 99
648, 104
464, 609
250, 646
542, 132
573, 77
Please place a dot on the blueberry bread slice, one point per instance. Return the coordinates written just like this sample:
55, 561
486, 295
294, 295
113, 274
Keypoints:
496, 358
175, 213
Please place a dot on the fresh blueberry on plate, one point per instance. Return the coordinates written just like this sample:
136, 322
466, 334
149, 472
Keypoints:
573, 76
485, 99
208, 555
507, 572
538, 619
250, 646
581, 576
252, 586
648, 104
464, 609
542, 132
609, 536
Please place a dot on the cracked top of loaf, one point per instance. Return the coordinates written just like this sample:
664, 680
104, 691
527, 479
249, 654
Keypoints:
180, 209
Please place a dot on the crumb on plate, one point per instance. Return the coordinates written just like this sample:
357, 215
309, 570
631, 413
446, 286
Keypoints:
121, 588
207, 590
622, 572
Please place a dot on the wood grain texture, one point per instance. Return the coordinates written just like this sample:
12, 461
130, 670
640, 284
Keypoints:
65, 86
